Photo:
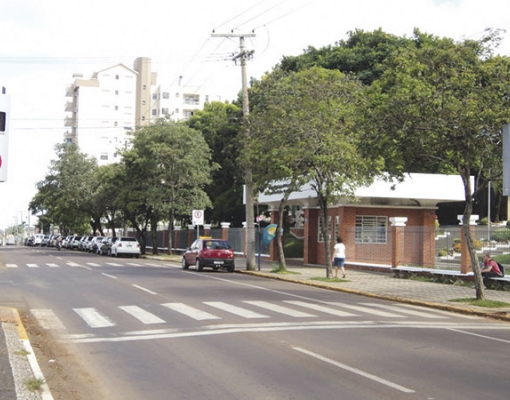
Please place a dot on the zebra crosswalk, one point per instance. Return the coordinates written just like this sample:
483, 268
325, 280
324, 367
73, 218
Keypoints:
74, 264
166, 313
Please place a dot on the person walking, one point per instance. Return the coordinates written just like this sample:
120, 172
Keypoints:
339, 256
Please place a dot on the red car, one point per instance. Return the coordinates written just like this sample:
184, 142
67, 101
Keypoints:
214, 253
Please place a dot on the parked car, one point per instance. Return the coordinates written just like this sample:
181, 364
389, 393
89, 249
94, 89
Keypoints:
75, 242
104, 247
125, 246
214, 253
84, 244
45, 241
93, 244
67, 241
38, 237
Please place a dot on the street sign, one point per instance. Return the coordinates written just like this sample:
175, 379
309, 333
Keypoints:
198, 217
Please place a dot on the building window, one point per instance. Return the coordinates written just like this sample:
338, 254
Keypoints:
144, 87
154, 111
116, 76
164, 111
177, 95
177, 111
115, 123
193, 99
320, 235
116, 108
154, 96
188, 113
104, 157
166, 95
116, 92
371, 229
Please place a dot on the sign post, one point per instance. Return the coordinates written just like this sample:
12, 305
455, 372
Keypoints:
198, 219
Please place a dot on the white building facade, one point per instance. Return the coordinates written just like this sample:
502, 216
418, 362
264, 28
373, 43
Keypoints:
117, 100
5, 106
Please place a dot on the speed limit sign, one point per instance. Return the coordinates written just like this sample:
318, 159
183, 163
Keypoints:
198, 217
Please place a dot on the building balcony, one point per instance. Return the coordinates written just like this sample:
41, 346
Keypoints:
69, 121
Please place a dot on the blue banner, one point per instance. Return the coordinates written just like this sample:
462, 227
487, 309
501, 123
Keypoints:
269, 234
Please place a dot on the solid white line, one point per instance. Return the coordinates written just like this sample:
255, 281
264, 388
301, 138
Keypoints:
142, 315
354, 370
242, 312
404, 311
109, 276
318, 307
481, 336
93, 318
145, 290
47, 319
368, 310
190, 311
280, 309
34, 365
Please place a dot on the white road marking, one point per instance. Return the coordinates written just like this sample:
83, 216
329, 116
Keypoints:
109, 276
145, 290
114, 264
32, 266
190, 311
93, 318
73, 264
242, 312
280, 309
134, 264
11, 265
367, 310
53, 265
47, 319
143, 316
94, 264
405, 311
354, 370
481, 336
318, 307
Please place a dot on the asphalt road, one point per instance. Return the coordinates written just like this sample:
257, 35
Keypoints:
149, 330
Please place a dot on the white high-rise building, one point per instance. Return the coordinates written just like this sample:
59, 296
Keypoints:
117, 100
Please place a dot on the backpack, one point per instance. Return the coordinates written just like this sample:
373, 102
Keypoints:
501, 268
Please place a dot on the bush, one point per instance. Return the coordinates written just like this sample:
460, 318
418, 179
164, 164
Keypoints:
483, 221
457, 247
443, 253
501, 235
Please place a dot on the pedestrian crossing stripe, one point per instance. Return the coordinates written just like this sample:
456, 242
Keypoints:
11, 265
96, 319
32, 266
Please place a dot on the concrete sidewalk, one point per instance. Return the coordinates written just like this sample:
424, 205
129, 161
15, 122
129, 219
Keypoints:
383, 285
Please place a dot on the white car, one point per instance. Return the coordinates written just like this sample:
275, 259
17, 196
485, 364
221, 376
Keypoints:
38, 238
125, 246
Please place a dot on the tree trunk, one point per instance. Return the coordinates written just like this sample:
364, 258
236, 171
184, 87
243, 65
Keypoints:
170, 231
325, 233
468, 210
279, 234
154, 235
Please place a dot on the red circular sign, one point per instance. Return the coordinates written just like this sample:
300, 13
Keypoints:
0, 161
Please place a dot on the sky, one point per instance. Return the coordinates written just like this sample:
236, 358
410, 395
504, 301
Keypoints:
45, 42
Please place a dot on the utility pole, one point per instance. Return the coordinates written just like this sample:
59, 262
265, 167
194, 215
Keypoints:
243, 55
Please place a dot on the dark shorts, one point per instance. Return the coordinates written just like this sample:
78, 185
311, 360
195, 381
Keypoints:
338, 262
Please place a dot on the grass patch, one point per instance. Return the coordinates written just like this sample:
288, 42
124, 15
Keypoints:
22, 353
482, 303
34, 384
278, 269
324, 279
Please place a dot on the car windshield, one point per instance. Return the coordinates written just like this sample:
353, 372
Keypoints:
216, 244
128, 239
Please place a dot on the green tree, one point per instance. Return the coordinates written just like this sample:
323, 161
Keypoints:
63, 197
313, 116
220, 125
165, 173
445, 102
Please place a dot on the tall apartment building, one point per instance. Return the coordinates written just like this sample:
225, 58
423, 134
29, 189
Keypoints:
117, 100
5, 104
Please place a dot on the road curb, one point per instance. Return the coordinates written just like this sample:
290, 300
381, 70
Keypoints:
11, 315
440, 306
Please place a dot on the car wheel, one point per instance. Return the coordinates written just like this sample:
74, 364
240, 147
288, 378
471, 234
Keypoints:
199, 265
216, 268
231, 268
184, 264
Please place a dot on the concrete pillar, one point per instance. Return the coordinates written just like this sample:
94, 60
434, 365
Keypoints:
224, 230
207, 229
397, 230
465, 259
